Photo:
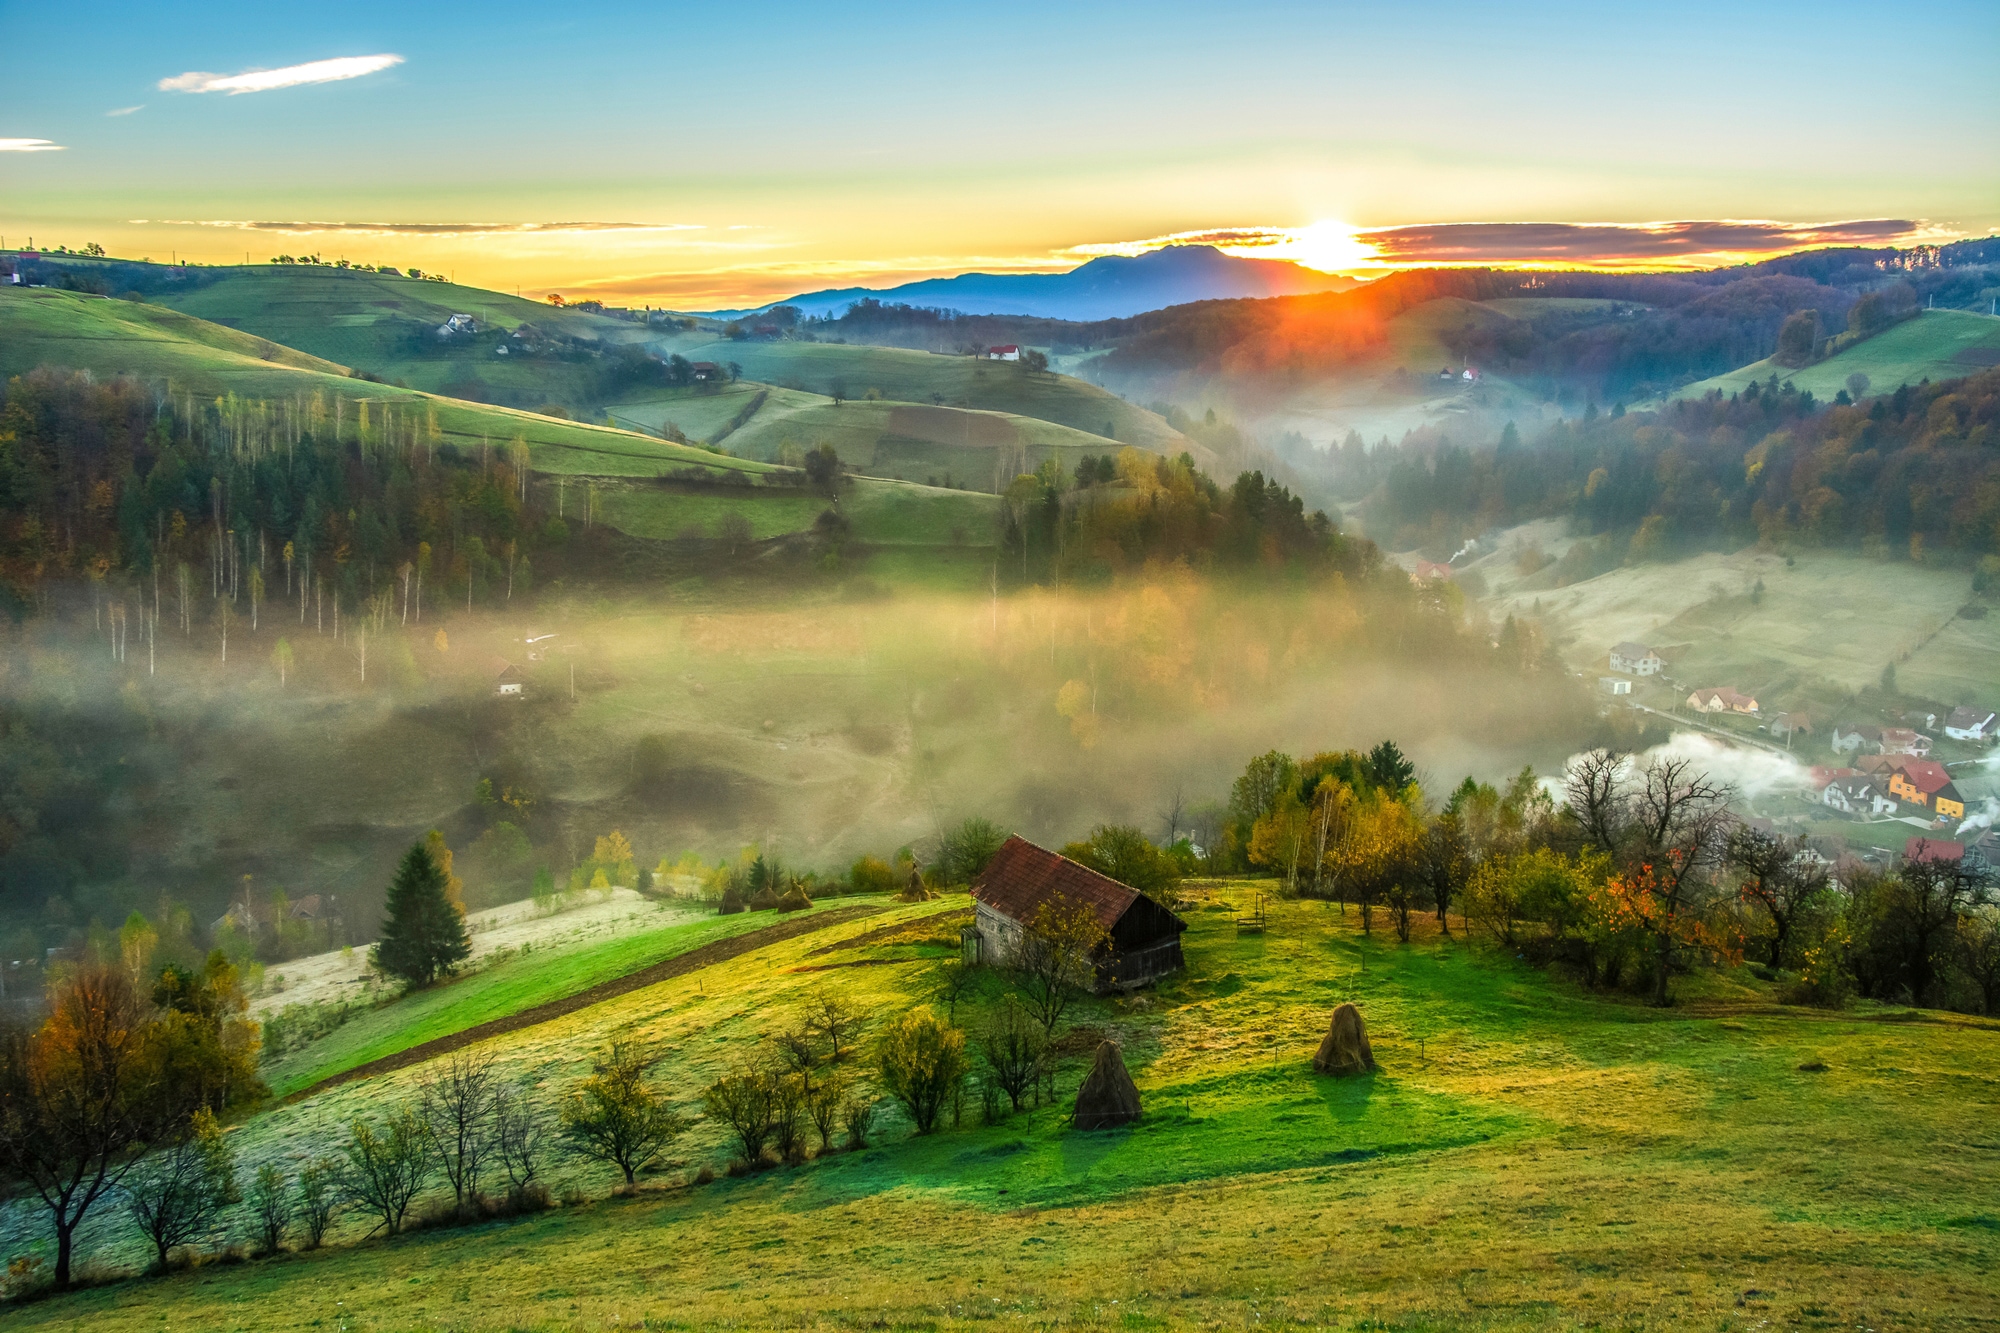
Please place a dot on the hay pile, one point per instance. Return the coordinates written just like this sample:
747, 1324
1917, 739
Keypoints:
1108, 1096
1345, 1049
795, 899
916, 891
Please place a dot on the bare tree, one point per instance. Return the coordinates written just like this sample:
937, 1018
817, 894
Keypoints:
1780, 877
520, 1139
271, 1206
177, 1196
830, 1016
1680, 821
1057, 958
456, 1098
319, 1199
1594, 791
1013, 1047
384, 1170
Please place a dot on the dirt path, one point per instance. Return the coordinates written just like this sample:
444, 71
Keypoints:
678, 966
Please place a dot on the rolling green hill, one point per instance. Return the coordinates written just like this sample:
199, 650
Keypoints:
1529, 1155
915, 441
903, 376
1936, 345
635, 475
388, 326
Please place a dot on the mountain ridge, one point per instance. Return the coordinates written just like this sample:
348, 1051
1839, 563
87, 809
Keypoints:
1109, 287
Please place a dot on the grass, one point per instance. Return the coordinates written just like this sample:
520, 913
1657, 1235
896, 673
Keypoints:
521, 982
1936, 345
40, 326
387, 324
909, 377
1530, 1156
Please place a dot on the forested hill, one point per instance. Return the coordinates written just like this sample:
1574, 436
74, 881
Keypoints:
1908, 473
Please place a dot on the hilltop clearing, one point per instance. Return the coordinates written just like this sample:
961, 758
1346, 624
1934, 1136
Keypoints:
898, 375
1934, 345
1528, 1156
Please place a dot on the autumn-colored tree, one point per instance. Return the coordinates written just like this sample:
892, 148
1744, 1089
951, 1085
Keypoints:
454, 887
922, 1061
615, 1116
1057, 957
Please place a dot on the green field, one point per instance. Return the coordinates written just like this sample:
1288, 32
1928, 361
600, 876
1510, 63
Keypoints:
41, 326
387, 325
1936, 345
521, 982
1529, 1156
956, 381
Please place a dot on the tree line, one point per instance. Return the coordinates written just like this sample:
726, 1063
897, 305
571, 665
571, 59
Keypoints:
1627, 871
1909, 473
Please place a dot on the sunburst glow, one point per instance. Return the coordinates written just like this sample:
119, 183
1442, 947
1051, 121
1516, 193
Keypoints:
1329, 246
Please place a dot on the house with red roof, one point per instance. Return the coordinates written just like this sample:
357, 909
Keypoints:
1142, 939
1721, 699
1005, 352
1925, 783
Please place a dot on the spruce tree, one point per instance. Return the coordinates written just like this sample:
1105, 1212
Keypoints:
423, 937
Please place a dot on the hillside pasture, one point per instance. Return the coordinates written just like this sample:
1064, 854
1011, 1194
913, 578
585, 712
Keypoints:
904, 376
47, 327
1935, 345
1826, 617
1529, 1156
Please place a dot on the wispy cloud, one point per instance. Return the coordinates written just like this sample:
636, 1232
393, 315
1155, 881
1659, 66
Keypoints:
291, 76
126, 110
29, 146
307, 228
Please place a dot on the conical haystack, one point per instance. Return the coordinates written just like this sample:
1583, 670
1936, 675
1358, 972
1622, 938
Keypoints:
1108, 1096
1345, 1050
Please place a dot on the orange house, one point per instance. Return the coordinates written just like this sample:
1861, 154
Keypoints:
1925, 784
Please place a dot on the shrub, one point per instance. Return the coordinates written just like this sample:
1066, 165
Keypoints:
384, 1171
1013, 1044
857, 1117
746, 1101
922, 1060
615, 1117
177, 1196
871, 874
271, 1207
318, 1200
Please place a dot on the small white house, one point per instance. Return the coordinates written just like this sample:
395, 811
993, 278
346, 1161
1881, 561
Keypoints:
1614, 684
1857, 796
456, 325
1971, 724
507, 681
1636, 659
1007, 352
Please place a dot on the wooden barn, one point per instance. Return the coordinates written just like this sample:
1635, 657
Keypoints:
1145, 938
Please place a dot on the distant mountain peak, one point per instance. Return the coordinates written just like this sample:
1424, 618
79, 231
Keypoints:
1108, 287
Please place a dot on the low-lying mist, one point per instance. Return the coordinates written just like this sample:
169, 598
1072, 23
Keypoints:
814, 727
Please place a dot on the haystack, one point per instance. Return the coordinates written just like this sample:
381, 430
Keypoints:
1108, 1096
916, 891
795, 899
1345, 1050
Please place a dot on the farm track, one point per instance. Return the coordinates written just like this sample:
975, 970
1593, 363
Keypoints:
666, 970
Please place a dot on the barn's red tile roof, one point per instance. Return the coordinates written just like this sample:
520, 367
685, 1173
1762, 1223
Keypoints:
1021, 877
1933, 849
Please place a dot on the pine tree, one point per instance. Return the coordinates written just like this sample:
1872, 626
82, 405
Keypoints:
424, 935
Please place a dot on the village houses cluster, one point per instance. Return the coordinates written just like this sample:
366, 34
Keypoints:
1881, 772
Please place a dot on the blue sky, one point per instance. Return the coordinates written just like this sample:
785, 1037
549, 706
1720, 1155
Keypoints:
794, 142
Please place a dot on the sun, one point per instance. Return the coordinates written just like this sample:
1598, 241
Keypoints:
1329, 246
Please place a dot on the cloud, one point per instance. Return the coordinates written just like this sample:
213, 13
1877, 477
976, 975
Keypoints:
1674, 244
29, 146
1678, 244
126, 110
291, 76
425, 228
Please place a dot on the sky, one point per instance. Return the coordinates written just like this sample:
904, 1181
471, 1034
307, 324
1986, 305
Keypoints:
698, 156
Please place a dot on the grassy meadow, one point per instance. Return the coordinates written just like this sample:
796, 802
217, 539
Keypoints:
1529, 1156
521, 981
925, 378
1936, 345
